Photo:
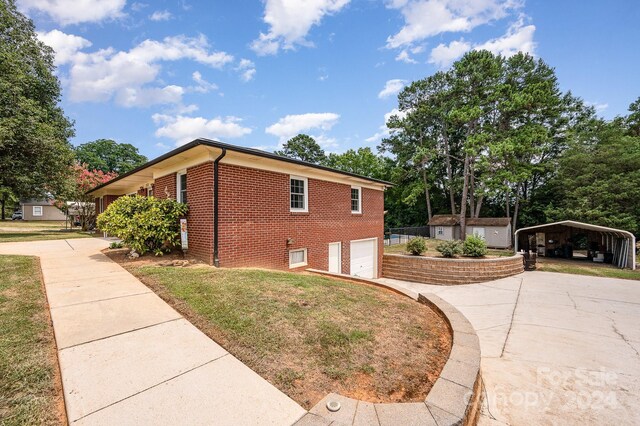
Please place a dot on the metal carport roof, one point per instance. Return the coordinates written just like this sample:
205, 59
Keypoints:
621, 233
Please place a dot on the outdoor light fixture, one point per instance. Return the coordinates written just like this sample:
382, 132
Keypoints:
289, 241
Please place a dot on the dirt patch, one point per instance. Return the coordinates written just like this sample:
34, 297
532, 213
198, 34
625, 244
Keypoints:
308, 335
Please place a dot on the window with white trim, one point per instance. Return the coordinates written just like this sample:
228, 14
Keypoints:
297, 258
439, 230
299, 194
356, 199
182, 187
37, 210
101, 204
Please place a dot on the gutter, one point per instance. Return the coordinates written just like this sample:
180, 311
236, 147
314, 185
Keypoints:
216, 259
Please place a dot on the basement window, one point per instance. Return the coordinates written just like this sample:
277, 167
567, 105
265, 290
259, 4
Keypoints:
297, 258
299, 195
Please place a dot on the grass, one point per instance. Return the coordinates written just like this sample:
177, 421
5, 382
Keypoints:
585, 268
432, 243
29, 383
18, 230
310, 335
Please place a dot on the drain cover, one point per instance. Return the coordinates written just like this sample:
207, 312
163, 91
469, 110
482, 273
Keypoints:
333, 405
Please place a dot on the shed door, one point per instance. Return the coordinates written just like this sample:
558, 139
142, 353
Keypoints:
479, 232
363, 258
335, 258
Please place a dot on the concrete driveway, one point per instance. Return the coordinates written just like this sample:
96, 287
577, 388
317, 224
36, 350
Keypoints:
556, 348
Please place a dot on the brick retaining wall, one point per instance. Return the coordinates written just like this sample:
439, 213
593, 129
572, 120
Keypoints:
442, 271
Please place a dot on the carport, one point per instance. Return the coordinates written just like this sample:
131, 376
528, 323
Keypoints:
560, 239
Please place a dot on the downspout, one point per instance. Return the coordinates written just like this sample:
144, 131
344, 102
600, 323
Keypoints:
216, 259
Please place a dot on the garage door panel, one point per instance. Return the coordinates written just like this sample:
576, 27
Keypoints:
363, 258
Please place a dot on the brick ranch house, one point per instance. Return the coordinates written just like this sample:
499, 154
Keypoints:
250, 208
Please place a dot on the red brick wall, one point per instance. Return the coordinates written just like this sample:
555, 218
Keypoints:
200, 217
255, 221
165, 184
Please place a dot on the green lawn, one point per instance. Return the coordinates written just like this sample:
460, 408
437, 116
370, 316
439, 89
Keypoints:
585, 268
18, 230
310, 335
29, 391
432, 243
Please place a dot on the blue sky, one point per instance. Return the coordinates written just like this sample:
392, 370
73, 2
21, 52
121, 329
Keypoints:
158, 74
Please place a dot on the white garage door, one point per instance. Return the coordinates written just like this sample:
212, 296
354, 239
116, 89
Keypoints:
363, 258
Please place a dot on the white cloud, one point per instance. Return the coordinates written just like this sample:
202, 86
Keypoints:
66, 46
290, 21
403, 56
247, 70
160, 15
147, 96
427, 18
66, 12
444, 55
519, 38
599, 107
291, 125
138, 6
126, 75
383, 131
183, 129
391, 88
202, 85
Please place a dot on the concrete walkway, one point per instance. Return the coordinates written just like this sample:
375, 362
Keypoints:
556, 348
127, 357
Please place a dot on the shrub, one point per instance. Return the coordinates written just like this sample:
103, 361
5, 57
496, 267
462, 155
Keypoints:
116, 245
450, 248
474, 246
144, 223
417, 246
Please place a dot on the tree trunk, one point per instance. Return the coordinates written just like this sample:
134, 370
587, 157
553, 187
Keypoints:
479, 206
447, 161
2, 202
507, 204
515, 216
426, 192
472, 191
463, 201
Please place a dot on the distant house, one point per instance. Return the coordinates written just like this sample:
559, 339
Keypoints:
495, 230
40, 210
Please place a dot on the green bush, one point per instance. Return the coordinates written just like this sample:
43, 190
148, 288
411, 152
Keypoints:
474, 246
416, 246
450, 248
146, 224
116, 245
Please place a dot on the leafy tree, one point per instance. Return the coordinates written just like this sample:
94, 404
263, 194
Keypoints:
146, 224
483, 132
361, 162
7, 200
633, 119
35, 154
82, 180
599, 179
109, 156
303, 147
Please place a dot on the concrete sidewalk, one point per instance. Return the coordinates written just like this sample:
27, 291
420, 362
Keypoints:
127, 357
